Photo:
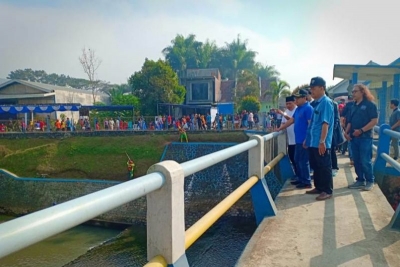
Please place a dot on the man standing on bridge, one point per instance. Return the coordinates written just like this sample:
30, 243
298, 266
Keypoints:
301, 119
319, 140
363, 118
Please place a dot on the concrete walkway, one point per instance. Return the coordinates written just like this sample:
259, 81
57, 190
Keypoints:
348, 230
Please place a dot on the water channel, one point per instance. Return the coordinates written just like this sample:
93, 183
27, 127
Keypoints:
93, 246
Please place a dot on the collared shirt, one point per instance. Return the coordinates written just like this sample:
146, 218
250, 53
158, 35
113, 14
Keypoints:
395, 117
290, 129
323, 113
361, 115
301, 117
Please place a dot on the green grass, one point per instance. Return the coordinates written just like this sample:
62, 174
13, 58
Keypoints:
93, 157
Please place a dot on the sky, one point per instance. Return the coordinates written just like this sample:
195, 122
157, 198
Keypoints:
301, 38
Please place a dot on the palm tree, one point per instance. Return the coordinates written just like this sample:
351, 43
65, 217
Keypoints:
277, 90
295, 90
183, 53
235, 57
206, 55
266, 72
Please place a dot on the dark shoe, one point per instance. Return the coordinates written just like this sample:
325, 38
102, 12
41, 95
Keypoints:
395, 158
295, 182
357, 185
303, 186
368, 187
323, 196
313, 191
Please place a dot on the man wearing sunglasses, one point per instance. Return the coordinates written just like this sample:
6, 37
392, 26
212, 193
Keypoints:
364, 116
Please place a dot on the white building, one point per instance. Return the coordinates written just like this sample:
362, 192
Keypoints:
19, 92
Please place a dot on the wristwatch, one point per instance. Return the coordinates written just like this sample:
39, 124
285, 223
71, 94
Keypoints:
322, 141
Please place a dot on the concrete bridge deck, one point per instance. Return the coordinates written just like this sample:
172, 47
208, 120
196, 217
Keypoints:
348, 230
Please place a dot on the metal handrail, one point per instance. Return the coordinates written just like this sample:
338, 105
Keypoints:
392, 133
32, 228
391, 161
201, 163
205, 222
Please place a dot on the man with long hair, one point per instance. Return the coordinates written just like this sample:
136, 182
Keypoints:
363, 118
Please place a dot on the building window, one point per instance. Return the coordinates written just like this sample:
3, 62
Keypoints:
199, 91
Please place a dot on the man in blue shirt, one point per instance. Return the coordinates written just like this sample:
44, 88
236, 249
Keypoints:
319, 140
301, 119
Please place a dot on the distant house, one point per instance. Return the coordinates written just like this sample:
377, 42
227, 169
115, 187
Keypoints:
203, 86
19, 92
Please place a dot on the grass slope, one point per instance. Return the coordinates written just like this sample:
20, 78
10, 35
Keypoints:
92, 157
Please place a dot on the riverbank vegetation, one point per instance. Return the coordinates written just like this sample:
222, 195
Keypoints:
100, 158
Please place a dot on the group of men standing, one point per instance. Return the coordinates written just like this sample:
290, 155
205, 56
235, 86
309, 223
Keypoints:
312, 123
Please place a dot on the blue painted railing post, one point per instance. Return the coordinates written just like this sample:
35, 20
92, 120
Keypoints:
166, 216
263, 202
383, 147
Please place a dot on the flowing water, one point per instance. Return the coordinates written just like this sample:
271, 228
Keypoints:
86, 246
221, 245
59, 249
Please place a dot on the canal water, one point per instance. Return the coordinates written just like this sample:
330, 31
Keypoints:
88, 246
59, 249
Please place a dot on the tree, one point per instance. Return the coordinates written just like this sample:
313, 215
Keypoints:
250, 103
156, 83
207, 55
235, 57
266, 72
90, 63
247, 85
295, 90
278, 89
183, 53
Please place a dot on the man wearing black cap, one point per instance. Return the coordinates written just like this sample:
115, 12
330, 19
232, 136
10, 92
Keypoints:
301, 119
290, 109
319, 140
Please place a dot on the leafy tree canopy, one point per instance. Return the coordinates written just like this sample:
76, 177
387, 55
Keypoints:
156, 83
250, 103
277, 90
247, 85
230, 59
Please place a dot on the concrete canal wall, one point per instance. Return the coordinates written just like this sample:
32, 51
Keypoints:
203, 190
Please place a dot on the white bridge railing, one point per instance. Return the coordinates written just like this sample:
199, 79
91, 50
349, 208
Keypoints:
164, 187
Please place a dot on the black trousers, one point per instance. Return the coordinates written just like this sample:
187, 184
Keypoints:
334, 160
322, 166
291, 149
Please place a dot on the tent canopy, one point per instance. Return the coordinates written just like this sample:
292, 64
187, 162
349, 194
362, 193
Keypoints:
109, 108
14, 109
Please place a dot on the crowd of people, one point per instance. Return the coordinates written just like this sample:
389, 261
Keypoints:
318, 128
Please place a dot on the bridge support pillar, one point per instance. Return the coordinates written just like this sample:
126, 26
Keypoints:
264, 205
166, 216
